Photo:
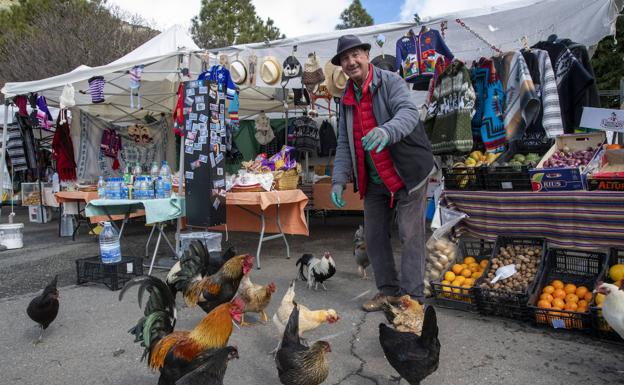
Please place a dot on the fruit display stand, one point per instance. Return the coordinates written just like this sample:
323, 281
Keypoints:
510, 172
468, 173
456, 295
564, 273
504, 301
613, 273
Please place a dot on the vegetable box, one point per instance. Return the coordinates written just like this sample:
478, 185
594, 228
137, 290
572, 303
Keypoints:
610, 175
565, 178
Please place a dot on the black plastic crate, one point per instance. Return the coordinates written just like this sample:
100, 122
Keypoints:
463, 178
455, 297
601, 327
113, 275
512, 178
504, 303
581, 268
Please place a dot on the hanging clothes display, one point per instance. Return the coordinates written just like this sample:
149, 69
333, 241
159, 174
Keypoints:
15, 148
451, 108
63, 149
416, 55
573, 82
327, 139
221, 75
488, 122
306, 135
28, 141
111, 145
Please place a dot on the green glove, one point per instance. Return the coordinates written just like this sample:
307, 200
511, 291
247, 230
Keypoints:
376, 138
336, 196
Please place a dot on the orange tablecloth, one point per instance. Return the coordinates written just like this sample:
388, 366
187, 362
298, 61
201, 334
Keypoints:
86, 197
322, 199
291, 207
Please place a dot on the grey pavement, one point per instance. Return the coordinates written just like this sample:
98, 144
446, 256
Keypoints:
89, 343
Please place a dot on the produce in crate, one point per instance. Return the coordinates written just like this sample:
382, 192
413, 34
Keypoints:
569, 158
474, 160
440, 253
559, 295
463, 275
529, 160
616, 273
526, 261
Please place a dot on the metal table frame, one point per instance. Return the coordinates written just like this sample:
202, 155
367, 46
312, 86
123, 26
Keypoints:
264, 238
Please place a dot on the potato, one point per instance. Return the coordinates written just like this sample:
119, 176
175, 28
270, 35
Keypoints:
438, 266
434, 274
443, 260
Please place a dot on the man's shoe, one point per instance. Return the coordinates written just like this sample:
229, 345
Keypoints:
374, 304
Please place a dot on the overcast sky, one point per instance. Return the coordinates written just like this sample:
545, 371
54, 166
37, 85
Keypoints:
301, 17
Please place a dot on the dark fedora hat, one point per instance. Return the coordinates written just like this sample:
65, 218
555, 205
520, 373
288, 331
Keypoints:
346, 43
385, 62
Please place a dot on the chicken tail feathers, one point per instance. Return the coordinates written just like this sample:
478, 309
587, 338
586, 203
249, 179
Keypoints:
430, 327
291, 333
302, 262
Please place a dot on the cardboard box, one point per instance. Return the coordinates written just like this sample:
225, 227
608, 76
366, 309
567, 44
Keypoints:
565, 178
610, 175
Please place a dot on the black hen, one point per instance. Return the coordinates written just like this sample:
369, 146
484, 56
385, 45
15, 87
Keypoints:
44, 308
209, 368
413, 357
318, 270
298, 364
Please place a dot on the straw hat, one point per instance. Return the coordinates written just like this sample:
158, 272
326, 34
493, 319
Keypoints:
270, 71
335, 79
238, 72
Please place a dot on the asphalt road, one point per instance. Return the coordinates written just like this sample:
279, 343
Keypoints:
88, 343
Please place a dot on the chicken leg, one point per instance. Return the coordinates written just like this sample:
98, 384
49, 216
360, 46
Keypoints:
243, 323
264, 317
40, 339
362, 272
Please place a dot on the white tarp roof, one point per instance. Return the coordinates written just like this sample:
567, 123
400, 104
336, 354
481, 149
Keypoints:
583, 21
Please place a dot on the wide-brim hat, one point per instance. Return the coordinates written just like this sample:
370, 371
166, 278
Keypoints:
238, 72
335, 79
346, 43
385, 62
270, 71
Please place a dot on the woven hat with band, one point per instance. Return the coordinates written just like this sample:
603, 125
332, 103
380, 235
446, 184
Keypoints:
335, 79
270, 70
238, 72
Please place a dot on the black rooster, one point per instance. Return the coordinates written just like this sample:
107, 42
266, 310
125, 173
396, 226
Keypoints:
318, 270
298, 364
413, 357
209, 368
44, 308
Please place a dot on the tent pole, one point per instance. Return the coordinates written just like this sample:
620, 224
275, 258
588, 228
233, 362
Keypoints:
3, 155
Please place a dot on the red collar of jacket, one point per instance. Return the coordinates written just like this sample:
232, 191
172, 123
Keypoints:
349, 97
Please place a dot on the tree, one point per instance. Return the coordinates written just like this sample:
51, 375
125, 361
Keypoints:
607, 63
355, 16
43, 38
222, 23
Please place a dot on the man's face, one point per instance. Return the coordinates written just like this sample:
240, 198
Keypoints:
354, 63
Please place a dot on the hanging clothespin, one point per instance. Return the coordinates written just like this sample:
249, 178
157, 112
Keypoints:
443, 28
417, 19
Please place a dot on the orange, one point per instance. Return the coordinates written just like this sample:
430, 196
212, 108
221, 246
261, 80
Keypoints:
476, 274
582, 303
588, 297
469, 260
600, 299
558, 303
546, 297
571, 306
548, 289
571, 298
460, 280
464, 266
457, 268
581, 291
469, 282
559, 293
582, 309
466, 273
557, 284
474, 267
543, 304
449, 276
570, 288
483, 263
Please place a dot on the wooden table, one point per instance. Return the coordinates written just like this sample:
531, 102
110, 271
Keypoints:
322, 198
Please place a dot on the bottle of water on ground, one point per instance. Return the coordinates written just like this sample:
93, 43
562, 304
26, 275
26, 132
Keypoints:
110, 250
165, 174
101, 188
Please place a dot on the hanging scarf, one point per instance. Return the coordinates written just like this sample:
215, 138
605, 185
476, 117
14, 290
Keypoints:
63, 149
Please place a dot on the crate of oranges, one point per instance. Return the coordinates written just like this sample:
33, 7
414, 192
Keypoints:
455, 288
562, 297
613, 274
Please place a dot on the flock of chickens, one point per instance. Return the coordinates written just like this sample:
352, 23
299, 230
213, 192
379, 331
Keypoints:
223, 289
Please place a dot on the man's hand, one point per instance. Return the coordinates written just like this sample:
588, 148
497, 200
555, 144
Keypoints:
336, 196
376, 138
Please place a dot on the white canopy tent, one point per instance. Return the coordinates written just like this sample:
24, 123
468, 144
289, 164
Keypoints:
503, 27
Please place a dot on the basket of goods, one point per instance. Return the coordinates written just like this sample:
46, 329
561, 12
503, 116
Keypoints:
614, 274
510, 276
563, 294
285, 169
467, 174
510, 172
454, 286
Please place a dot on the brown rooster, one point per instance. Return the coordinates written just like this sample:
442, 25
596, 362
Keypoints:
173, 352
408, 316
214, 290
256, 298
298, 364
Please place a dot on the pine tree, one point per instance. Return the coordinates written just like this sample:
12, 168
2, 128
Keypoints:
608, 63
355, 16
222, 23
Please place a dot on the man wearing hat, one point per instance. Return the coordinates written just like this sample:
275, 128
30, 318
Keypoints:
382, 143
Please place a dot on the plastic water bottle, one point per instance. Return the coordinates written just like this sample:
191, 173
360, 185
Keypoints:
165, 174
144, 188
160, 188
108, 192
127, 178
101, 188
136, 190
154, 171
110, 250
56, 186
137, 170
124, 190
151, 184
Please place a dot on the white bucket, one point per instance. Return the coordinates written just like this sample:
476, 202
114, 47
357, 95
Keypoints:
11, 235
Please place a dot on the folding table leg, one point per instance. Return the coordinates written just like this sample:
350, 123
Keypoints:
149, 239
261, 239
279, 226
155, 251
